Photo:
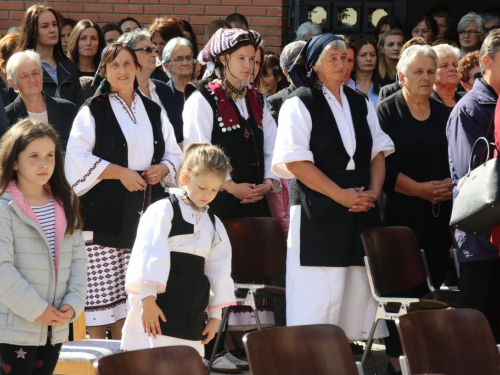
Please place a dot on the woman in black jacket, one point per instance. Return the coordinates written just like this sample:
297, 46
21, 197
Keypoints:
24, 72
40, 32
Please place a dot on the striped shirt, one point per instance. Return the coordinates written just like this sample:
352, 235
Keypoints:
46, 215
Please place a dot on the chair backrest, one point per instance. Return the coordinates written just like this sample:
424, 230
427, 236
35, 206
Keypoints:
169, 360
396, 262
309, 349
258, 248
454, 342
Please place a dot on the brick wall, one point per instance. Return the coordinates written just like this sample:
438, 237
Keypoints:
268, 17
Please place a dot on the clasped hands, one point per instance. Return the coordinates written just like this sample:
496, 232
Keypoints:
436, 191
133, 181
248, 193
54, 317
357, 199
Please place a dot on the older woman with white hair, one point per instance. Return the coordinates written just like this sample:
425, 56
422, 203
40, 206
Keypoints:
25, 74
417, 182
330, 140
307, 30
177, 59
446, 81
470, 33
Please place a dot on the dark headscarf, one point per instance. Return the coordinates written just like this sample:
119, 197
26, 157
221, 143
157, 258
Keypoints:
302, 72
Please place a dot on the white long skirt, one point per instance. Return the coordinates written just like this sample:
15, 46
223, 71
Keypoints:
328, 295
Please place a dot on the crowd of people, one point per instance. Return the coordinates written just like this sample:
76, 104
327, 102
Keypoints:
115, 208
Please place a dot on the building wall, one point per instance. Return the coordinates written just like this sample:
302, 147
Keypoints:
268, 17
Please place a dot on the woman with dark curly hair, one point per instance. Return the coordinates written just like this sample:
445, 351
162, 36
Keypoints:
469, 70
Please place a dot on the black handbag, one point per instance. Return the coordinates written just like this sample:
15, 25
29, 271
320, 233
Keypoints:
476, 205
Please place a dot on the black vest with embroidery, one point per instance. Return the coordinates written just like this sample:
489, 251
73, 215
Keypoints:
243, 142
330, 234
109, 209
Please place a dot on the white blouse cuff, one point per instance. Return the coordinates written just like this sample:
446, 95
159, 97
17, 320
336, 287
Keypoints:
148, 290
215, 313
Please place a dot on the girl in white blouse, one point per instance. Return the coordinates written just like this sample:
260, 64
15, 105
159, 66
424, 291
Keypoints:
181, 261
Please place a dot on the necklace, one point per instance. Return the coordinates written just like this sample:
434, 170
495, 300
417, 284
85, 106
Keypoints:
436, 214
234, 92
129, 110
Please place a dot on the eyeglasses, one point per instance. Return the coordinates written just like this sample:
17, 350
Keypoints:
488, 29
181, 59
147, 49
468, 32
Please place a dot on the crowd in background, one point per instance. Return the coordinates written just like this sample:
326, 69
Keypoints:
427, 95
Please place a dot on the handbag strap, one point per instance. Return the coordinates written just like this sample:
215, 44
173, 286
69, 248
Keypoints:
486, 148
476, 144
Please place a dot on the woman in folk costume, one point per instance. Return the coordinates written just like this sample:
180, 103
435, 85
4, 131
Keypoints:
120, 152
181, 261
329, 138
231, 114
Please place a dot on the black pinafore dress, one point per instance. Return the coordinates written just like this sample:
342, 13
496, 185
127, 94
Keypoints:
187, 291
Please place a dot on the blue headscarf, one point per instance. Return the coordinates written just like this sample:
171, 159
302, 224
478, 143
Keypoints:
302, 72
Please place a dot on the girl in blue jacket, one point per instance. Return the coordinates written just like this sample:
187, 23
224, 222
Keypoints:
43, 263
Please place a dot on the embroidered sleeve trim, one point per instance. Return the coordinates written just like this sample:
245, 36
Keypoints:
87, 174
170, 179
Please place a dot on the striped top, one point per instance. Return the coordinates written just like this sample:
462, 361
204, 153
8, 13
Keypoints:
46, 215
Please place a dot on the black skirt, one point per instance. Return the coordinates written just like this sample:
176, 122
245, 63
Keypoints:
186, 297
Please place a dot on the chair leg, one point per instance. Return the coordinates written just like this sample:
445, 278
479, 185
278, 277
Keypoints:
217, 340
254, 308
372, 360
369, 342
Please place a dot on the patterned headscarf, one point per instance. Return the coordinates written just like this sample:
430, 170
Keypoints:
225, 39
302, 72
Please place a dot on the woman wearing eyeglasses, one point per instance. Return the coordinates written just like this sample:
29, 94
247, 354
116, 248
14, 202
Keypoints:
140, 41
178, 64
470, 32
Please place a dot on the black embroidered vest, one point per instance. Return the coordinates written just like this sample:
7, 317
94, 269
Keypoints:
243, 142
109, 209
329, 233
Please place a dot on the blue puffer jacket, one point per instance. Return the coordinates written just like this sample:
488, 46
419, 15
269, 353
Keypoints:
468, 121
